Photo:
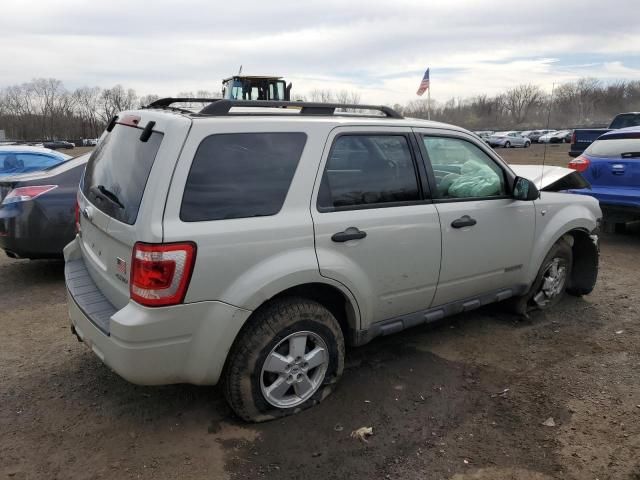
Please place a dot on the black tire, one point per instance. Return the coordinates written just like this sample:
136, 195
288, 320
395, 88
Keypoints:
527, 144
507, 145
267, 328
528, 302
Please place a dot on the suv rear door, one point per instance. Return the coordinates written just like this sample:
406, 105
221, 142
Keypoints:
376, 230
122, 195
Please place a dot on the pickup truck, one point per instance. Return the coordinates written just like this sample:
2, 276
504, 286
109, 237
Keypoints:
584, 137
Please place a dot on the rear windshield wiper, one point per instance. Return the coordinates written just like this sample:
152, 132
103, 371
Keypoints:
630, 154
103, 191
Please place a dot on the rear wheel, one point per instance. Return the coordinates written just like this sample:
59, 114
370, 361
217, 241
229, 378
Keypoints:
287, 359
526, 144
507, 145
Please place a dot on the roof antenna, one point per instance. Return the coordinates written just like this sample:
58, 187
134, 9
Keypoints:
544, 155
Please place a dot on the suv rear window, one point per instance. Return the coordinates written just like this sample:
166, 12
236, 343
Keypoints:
615, 147
118, 170
240, 175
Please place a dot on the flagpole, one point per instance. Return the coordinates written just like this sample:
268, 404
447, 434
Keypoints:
429, 103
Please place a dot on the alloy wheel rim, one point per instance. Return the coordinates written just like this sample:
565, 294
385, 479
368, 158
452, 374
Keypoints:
294, 369
553, 282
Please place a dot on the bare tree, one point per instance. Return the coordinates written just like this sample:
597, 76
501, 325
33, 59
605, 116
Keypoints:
87, 108
519, 100
116, 99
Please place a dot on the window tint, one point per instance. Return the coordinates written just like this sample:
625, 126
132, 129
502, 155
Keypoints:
241, 175
367, 170
615, 147
118, 170
462, 170
17, 162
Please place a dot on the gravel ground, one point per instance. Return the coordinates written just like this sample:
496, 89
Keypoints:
463, 399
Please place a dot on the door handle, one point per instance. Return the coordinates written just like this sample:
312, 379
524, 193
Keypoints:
351, 233
464, 221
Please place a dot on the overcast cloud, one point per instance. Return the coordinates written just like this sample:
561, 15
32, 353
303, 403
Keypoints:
378, 48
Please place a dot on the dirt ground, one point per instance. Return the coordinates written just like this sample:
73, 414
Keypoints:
463, 399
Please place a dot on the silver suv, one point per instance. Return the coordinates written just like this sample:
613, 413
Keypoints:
247, 243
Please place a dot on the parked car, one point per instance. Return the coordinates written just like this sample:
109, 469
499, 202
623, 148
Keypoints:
535, 135
37, 210
15, 159
612, 165
484, 134
583, 137
559, 136
508, 140
222, 246
58, 144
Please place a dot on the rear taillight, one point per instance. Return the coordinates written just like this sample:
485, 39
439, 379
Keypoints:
573, 138
580, 164
24, 194
160, 273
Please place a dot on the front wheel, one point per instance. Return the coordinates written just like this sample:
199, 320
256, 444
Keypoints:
287, 359
527, 144
550, 283
507, 145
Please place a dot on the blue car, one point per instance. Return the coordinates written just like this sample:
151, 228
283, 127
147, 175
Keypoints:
17, 159
611, 165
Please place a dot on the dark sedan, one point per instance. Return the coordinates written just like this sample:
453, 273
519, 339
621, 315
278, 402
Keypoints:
37, 210
56, 144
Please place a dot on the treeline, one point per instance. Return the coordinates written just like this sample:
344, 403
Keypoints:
587, 102
45, 109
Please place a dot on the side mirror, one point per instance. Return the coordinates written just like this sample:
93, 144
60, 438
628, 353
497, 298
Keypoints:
525, 190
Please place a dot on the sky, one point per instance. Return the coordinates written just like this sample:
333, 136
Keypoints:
378, 48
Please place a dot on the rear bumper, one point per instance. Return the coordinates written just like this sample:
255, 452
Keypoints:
151, 346
26, 232
623, 197
622, 203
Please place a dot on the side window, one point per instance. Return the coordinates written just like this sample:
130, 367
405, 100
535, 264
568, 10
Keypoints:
462, 170
240, 175
368, 170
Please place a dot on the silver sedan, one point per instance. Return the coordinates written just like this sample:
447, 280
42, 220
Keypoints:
508, 140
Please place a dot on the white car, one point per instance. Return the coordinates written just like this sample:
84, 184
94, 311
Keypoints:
558, 136
508, 140
225, 246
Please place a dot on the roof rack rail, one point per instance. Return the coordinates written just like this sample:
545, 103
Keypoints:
223, 107
166, 102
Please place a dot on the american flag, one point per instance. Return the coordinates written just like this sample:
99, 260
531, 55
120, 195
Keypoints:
424, 84
121, 265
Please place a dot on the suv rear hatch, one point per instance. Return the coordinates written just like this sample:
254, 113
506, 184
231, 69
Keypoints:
612, 166
123, 192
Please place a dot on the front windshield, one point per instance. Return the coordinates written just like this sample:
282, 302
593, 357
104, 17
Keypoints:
12, 163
